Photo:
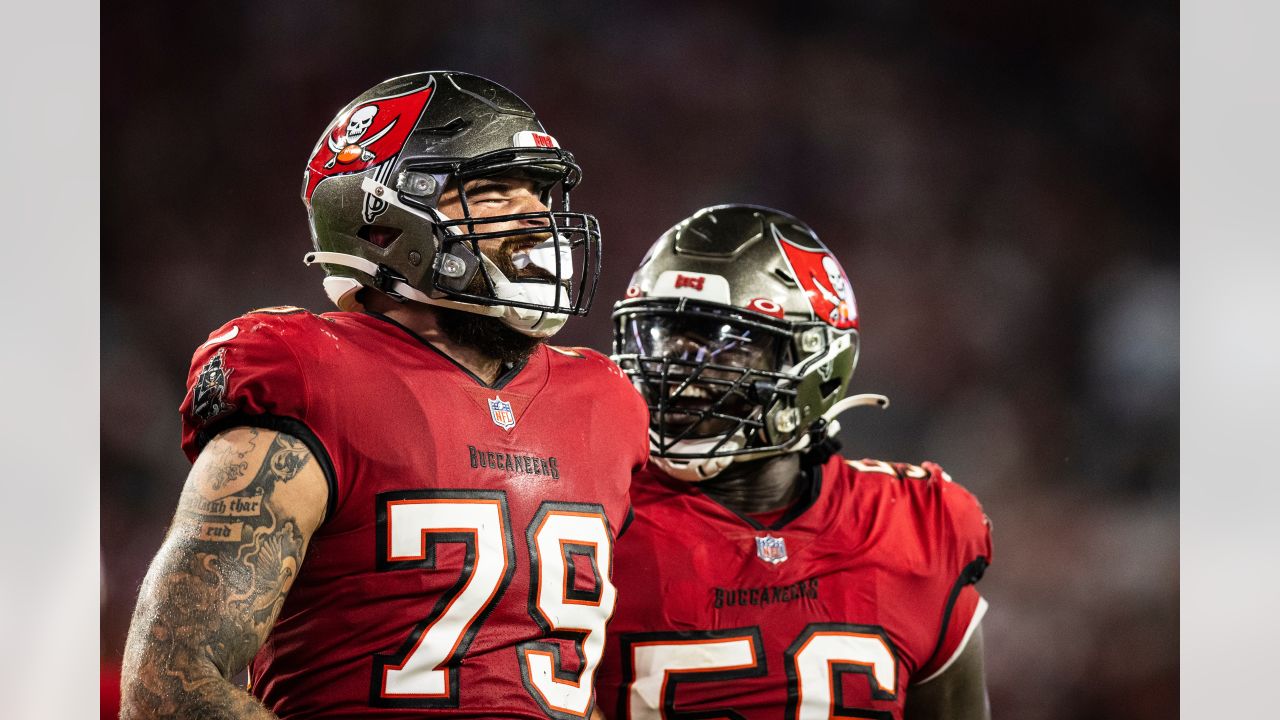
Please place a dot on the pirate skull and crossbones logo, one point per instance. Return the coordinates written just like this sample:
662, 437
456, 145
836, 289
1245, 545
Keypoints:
351, 144
839, 294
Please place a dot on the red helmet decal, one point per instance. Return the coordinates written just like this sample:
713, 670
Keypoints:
371, 133
824, 282
692, 281
765, 306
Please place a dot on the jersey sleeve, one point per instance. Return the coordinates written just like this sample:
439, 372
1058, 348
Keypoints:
632, 412
244, 374
963, 534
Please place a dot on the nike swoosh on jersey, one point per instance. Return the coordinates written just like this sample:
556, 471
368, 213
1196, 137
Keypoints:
235, 330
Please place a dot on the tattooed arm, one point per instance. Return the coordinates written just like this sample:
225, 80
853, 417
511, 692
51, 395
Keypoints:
249, 507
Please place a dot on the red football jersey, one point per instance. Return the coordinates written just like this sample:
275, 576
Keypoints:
857, 592
463, 565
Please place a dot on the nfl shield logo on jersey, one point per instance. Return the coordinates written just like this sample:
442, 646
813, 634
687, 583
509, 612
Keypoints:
500, 411
771, 549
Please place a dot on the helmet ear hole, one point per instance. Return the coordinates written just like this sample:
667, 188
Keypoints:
829, 387
379, 235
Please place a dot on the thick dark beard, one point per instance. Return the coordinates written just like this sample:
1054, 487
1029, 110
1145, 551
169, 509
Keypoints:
489, 335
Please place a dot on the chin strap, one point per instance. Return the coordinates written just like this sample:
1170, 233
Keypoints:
699, 469
387, 282
853, 401
702, 468
825, 426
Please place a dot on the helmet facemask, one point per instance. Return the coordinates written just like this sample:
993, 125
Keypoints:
546, 267
376, 217
741, 332
721, 384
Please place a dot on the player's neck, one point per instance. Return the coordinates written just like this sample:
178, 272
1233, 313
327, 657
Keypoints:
758, 487
423, 320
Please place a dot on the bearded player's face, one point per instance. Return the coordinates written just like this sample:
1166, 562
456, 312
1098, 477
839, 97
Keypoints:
487, 198
495, 197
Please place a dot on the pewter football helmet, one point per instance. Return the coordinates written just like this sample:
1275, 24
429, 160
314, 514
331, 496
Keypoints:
375, 178
740, 329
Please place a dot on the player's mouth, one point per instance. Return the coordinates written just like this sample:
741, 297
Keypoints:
690, 408
518, 263
690, 392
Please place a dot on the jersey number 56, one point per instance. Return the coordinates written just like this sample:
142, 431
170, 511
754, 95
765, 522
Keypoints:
654, 665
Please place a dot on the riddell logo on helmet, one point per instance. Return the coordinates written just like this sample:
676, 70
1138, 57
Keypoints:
690, 282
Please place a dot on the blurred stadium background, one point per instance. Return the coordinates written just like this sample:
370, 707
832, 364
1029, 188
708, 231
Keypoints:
999, 180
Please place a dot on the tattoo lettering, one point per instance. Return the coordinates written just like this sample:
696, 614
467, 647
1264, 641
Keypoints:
220, 531
217, 585
232, 506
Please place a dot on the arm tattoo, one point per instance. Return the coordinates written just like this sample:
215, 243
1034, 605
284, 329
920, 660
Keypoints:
228, 463
217, 585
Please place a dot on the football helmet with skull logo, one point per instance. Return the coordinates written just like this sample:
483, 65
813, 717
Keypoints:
741, 332
373, 188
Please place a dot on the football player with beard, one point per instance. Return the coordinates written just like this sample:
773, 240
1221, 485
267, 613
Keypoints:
766, 576
389, 514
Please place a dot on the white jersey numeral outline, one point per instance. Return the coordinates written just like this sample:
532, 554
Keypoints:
423, 672
412, 525
660, 661
817, 661
654, 663
558, 533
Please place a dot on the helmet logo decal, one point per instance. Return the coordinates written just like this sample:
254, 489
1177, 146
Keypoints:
501, 412
689, 282
765, 306
373, 131
703, 286
823, 280
532, 138
347, 147
375, 206
770, 549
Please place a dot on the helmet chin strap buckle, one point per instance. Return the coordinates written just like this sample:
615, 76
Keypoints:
386, 280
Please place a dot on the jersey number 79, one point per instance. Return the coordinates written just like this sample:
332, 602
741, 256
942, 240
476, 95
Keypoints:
424, 672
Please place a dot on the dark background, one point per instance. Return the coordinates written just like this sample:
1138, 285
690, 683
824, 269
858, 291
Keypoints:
999, 181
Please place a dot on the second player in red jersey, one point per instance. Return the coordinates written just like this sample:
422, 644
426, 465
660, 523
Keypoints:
766, 576
861, 590
407, 508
